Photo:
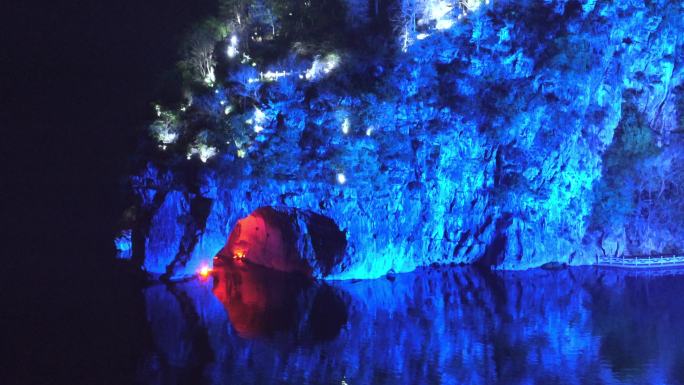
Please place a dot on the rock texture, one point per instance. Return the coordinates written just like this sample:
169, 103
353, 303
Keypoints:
527, 133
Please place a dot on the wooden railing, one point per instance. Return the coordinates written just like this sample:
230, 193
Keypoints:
643, 261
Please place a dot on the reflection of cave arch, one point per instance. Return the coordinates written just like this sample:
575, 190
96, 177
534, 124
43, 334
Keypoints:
287, 239
262, 302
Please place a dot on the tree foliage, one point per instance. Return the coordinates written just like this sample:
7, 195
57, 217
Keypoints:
197, 52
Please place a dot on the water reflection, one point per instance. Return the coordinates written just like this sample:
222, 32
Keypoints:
262, 302
450, 325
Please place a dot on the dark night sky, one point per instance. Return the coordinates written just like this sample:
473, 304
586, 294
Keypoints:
77, 82
83, 78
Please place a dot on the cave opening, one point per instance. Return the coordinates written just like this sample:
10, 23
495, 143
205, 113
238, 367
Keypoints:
286, 239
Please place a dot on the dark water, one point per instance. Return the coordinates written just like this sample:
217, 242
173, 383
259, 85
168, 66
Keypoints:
450, 325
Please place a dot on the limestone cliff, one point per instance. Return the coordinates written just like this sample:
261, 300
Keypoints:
524, 133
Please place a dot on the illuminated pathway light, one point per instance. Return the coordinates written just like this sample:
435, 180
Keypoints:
270, 76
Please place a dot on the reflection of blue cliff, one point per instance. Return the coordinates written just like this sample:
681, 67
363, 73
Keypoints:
447, 325
524, 134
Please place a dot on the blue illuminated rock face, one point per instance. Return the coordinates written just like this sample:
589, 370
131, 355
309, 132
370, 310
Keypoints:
524, 134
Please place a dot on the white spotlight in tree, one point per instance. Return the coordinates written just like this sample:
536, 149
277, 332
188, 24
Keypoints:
406, 37
341, 179
165, 129
444, 24
472, 5
331, 62
206, 152
201, 148
167, 137
345, 126
210, 77
322, 66
259, 116
439, 9
232, 50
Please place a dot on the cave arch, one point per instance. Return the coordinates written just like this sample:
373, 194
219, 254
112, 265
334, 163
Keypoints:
287, 239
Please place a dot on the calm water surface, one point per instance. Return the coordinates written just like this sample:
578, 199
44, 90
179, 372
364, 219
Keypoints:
456, 325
